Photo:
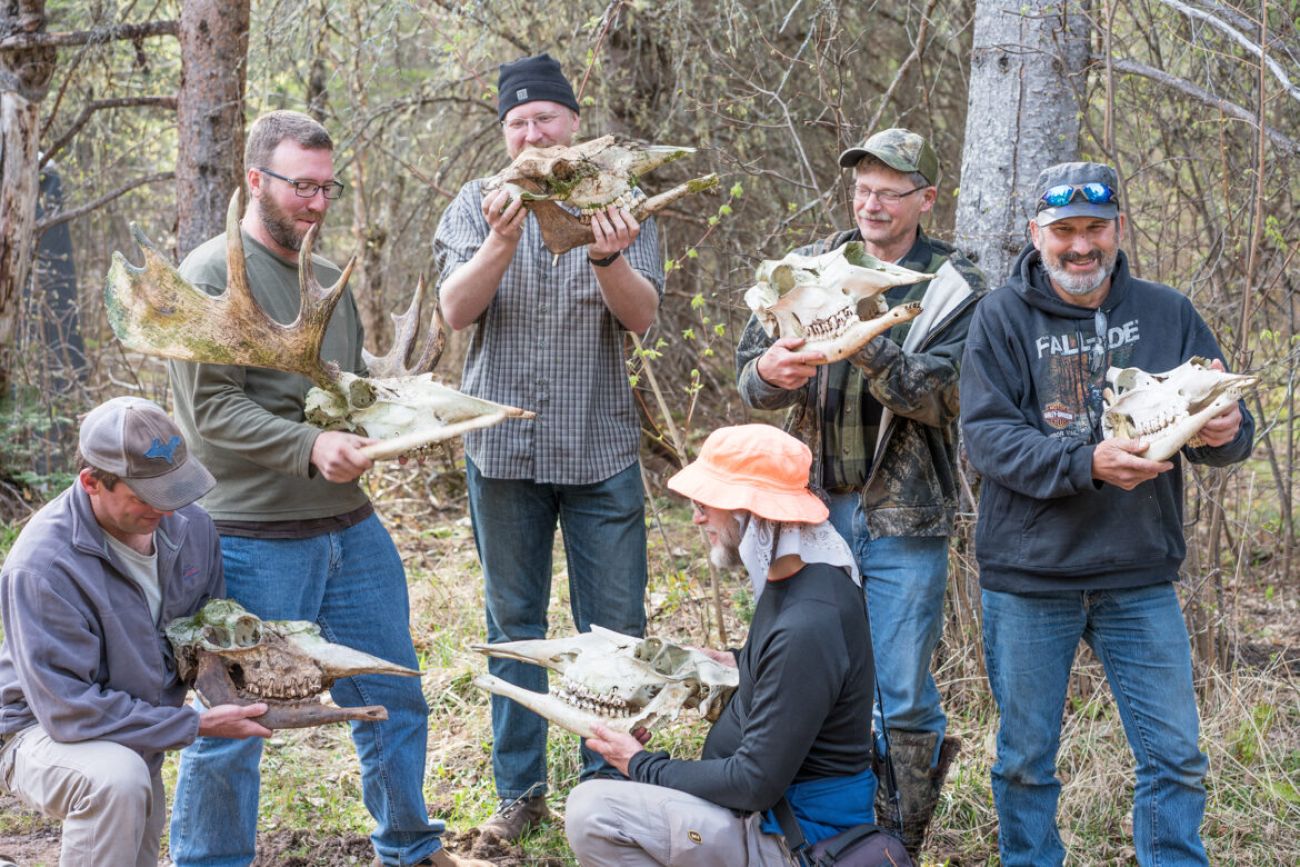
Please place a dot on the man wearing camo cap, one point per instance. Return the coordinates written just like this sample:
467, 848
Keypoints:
882, 426
89, 696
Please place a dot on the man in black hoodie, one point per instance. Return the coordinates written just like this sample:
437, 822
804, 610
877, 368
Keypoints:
1080, 537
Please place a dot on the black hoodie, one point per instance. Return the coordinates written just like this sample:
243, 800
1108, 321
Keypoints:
1032, 375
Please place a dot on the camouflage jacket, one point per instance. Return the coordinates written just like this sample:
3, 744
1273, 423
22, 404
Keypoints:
911, 486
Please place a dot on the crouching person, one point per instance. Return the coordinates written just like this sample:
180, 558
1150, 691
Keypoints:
89, 696
798, 725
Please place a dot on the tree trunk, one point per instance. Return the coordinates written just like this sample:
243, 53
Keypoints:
210, 116
1027, 64
24, 80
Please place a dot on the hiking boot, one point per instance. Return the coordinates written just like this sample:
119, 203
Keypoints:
919, 784
514, 818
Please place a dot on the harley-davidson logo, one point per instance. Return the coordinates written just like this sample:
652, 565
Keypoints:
1058, 415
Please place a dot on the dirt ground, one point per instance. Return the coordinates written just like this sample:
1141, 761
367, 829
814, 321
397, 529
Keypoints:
39, 847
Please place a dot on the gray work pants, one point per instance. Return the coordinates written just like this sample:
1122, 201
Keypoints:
617, 822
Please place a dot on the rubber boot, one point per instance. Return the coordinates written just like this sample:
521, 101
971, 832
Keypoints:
918, 784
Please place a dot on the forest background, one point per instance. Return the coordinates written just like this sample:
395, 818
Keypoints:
135, 110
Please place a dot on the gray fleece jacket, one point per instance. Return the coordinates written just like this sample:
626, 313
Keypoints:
82, 656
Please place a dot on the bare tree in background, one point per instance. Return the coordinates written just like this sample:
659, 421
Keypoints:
210, 116
1027, 65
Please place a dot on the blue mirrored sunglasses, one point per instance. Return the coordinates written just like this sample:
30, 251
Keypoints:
1062, 194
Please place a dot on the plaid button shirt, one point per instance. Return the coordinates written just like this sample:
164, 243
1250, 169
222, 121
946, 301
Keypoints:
547, 343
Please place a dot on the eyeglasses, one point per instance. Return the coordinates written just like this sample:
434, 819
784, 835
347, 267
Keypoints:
520, 124
885, 197
307, 189
1062, 194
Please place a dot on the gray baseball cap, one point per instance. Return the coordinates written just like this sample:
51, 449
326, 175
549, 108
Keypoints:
133, 439
1082, 190
900, 149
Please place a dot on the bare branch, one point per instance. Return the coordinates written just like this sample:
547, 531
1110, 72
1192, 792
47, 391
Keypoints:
59, 217
21, 41
1279, 138
1241, 39
168, 102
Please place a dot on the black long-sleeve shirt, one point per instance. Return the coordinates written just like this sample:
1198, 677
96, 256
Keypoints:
802, 710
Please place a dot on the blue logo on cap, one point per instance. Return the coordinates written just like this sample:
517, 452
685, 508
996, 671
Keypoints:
163, 450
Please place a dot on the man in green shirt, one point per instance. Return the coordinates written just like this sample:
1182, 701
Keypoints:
299, 538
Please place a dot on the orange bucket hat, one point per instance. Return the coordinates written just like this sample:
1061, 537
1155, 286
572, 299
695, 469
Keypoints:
754, 467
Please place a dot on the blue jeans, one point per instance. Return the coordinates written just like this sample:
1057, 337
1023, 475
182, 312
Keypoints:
604, 544
352, 584
904, 578
1141, 640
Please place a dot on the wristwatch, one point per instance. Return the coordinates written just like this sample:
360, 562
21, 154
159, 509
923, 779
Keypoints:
607, 261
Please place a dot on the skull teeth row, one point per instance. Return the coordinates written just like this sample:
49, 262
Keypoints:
832, 326
576, 695
626, 200
291, 688
1155, 424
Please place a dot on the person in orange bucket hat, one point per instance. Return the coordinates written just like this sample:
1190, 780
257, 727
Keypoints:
798, 725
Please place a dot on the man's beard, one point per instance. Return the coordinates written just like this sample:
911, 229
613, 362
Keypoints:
725, 553
1080, 284
280, 225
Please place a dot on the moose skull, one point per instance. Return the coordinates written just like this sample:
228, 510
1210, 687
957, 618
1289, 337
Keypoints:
230, 656
153, 310
618, 681
834, 301
1168, 409
588, 177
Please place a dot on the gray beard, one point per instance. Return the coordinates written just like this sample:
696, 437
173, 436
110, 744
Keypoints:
1080, 284
724, 556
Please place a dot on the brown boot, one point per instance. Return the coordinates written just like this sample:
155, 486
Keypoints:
443, 858
514, 818
918, 784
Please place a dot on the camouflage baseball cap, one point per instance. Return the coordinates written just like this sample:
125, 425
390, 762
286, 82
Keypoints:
901, 150
1076, 190
133, 439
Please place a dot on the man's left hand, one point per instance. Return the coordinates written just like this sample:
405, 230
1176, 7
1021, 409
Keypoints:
615, 229
1222, 429
616, 747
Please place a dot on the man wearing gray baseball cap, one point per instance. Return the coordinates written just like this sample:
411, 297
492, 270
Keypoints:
882, 426
89, 695
1081, 537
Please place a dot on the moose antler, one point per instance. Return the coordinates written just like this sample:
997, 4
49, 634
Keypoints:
154, 310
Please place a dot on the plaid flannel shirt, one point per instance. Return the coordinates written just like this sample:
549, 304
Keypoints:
547, 343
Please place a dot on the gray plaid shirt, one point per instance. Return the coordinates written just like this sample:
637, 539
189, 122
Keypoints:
547, 343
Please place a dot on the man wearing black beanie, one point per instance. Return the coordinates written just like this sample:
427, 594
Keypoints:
547, 335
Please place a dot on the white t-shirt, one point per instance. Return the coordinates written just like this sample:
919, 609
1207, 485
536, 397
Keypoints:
143, 570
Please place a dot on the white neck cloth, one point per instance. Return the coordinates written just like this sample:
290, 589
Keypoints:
763, 541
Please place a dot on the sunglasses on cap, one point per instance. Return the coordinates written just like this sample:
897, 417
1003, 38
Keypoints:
1062, 194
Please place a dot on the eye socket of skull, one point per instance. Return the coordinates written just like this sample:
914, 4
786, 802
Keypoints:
248, 631
215, 635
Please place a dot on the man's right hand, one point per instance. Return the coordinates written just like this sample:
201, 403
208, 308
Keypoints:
337, 455
233, 721
505, 215
1116, 462
784, 367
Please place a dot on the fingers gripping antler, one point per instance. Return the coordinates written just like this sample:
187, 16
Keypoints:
405, 328
153, 310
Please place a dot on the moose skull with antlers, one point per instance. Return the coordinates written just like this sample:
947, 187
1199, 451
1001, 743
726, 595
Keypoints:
152, 309
589, 176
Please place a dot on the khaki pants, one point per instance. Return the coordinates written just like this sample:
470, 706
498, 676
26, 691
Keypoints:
617, 822
111, 806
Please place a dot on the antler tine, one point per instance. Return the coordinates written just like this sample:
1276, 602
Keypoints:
405, 328
316, 306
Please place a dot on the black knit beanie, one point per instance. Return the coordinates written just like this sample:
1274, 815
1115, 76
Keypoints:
531, 79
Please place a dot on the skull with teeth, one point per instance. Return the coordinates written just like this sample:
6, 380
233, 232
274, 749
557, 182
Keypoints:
230, 656
589, 177
618, 681
834, 301
1168, 409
